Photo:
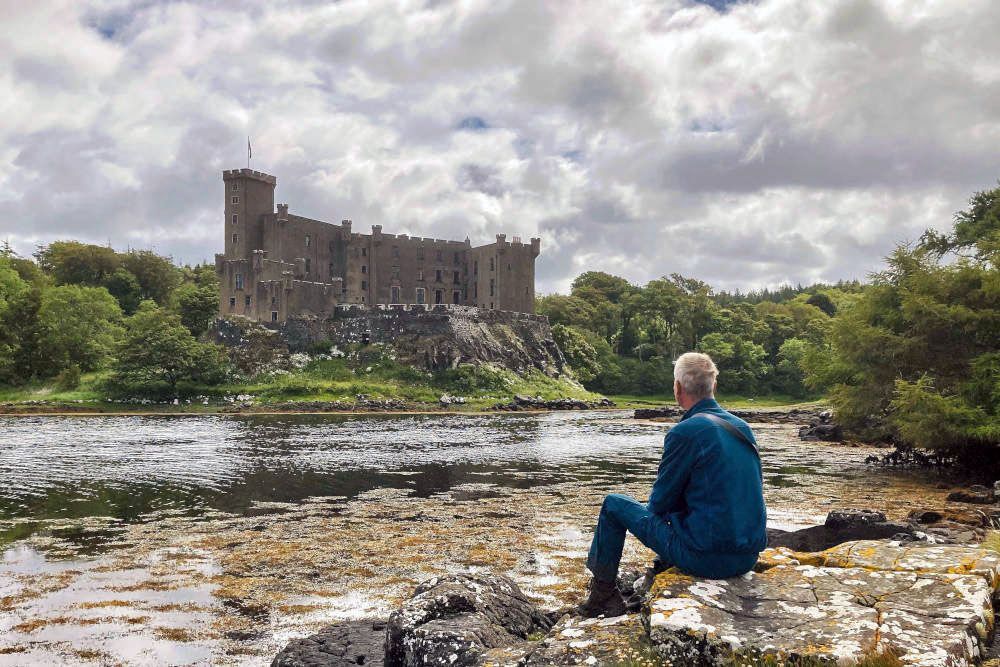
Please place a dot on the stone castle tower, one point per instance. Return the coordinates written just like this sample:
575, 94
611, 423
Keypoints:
277, 265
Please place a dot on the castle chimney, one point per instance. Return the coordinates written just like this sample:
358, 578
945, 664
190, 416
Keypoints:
282, 212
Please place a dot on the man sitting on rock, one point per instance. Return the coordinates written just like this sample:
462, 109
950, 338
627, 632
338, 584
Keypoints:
706, 511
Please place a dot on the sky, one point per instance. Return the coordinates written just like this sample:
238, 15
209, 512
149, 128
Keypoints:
747, 144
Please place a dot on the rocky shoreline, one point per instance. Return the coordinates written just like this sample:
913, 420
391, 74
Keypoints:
856, 588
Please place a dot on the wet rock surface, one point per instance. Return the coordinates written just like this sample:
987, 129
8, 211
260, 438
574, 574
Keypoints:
931, 605
339, 645
753, 415
976, 494
538, 403
455, 620
620, 640
822, 428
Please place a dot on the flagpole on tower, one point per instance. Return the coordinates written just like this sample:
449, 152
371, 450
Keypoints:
249, 152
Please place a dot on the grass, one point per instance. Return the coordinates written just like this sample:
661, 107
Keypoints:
370, 372
992, 541
321, 380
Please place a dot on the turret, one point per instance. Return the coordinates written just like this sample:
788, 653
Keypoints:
248, 195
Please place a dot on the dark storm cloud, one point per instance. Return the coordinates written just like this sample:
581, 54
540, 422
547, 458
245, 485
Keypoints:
742, 143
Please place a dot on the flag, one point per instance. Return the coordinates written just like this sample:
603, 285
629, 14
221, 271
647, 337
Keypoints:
249, 149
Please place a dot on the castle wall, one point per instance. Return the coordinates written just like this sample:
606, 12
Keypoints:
277, 265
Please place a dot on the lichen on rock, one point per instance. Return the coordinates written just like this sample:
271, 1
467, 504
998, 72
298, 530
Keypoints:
927, 604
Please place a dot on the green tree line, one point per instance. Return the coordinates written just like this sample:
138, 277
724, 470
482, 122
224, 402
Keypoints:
911, 356
77, 308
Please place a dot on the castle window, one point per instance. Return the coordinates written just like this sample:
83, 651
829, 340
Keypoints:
421, 295
364, 252
239, 281
274, 301
420, 274
455, 277
456, 258
247, 300
362, 299
437, 275
308, 240
491, 264
508, 267
440, 255
394, 295
475, 268
395, 251
236, 200
525, 290
491, 288
456, 297
364, 284
475, 290
308, 265
438, 296
232, 302
236, 239
491, 305
364, 268
236, 186
274, 316
420, 254
236, 219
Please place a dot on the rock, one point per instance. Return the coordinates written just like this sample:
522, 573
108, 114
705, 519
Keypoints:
996, 488
455, 620
538, 403
930, 603
752, 415
841, 526
823, 432
976, 494
338, 645
620, 640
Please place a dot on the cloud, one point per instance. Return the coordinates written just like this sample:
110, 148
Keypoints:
742, 143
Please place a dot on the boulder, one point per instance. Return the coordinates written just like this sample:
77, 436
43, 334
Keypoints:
930, 604
975, 494
841, 526
456, 620
348, 643
620, 640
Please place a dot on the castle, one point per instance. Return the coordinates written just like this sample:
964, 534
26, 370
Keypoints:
278, 266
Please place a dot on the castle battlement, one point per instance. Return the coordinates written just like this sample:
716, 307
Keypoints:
230, 174
278, 265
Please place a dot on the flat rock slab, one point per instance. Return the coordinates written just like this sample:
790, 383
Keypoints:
620, 640
931, 605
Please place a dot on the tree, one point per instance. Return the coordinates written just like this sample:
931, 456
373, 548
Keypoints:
157, 275
823, 301
78, 325
157, 348
197, 306
581, 355
75, 263
125, 288
13, 291
567, 310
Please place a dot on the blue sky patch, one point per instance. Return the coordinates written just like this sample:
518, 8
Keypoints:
473, 123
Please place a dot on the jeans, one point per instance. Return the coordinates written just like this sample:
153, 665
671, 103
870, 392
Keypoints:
620, 514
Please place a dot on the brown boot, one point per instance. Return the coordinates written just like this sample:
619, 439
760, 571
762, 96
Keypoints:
604, 599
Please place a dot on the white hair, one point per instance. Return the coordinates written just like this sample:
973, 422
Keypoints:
696, 372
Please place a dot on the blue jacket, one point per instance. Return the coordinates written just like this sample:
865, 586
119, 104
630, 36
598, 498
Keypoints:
709, 485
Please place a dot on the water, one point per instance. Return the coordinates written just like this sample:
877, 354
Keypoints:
214, 539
